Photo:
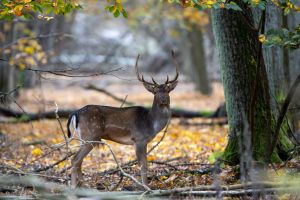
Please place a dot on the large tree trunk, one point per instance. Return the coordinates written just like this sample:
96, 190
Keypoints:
238, 47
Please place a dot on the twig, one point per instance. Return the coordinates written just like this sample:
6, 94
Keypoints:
118, 184
54, 164
61, 127
116, 161
135, 161
93, 87
75, 75
18, 171
4, 94
128, 164
46, 154
65, 137
124, 101
282, 113
36, 37
161, 139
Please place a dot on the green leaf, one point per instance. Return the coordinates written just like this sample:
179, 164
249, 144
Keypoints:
37, 7
23, 118
106, 8
212, 158
124, 13
233, 6
111, 8
117, 13
27, 16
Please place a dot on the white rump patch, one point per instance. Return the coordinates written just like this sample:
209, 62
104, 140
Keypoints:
73, 128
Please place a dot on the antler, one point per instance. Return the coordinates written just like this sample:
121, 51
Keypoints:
141, 78
177, 70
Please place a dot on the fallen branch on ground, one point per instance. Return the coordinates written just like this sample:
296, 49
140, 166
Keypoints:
48, 189
27, 117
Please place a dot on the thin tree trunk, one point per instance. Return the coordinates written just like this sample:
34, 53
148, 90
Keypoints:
7, 72
194, 61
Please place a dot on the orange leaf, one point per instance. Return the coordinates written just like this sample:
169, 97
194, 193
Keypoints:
18, 10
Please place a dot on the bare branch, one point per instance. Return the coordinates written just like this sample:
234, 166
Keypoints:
161, 139
282, 113
36, 37
93, 87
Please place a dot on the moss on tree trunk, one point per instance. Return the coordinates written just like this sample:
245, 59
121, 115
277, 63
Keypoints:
238, 47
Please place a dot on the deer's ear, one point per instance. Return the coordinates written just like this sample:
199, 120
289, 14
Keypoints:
150, 88
171, 86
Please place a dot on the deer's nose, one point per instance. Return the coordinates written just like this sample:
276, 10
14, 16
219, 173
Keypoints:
165, 100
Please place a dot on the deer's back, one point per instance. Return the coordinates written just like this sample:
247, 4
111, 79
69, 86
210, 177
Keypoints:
116, 124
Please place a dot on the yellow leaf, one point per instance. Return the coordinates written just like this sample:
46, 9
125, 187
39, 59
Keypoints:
21, 66
262, 38
256, 1
30, 61
209, 2
29, 50
151, 158
61, 164
36, 152
18, 10
10, 4
27, 1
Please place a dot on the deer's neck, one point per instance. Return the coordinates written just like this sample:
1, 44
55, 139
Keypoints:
160, 115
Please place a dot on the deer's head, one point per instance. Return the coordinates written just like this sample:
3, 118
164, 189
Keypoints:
160, 91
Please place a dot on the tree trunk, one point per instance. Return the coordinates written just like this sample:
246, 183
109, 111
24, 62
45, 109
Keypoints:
294, 66
7, 72
194, 62
246, 103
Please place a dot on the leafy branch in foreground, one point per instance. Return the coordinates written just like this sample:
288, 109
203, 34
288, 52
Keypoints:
283, 37
25, 8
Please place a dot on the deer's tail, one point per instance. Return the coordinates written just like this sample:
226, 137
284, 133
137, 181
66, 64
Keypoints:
72, 124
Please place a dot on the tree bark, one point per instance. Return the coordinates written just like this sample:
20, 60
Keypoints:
7, 72
246, 104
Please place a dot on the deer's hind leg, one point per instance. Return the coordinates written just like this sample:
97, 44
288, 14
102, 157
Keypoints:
77, 162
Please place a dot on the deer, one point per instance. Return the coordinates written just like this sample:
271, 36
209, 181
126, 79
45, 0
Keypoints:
133, 125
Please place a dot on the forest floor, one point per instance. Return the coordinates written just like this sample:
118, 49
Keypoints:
185, 157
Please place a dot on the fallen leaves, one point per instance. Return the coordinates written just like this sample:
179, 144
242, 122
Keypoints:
183, 152
36, 152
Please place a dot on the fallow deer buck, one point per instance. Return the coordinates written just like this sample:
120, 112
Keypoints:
135, 126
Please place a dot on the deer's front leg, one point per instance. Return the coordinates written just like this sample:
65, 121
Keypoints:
141, 154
